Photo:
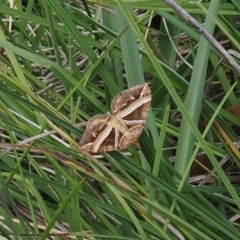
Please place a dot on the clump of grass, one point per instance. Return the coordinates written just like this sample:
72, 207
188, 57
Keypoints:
62, 64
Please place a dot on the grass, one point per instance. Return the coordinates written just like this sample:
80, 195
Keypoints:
62, 64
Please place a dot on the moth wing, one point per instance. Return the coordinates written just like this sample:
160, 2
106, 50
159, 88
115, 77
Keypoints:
98, 136
132, 105
97, 131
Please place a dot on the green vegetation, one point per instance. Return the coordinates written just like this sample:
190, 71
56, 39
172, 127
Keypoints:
62, 62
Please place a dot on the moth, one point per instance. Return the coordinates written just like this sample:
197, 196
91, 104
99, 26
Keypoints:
116, 131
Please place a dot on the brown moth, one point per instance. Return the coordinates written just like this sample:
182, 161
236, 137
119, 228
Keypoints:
116, 131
